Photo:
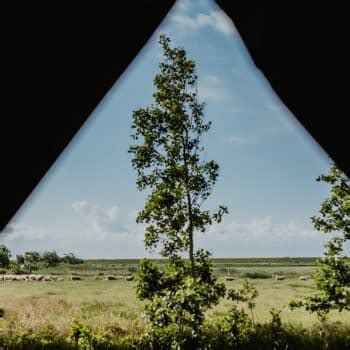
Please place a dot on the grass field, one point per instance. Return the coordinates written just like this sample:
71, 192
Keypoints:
113, 304
110, 301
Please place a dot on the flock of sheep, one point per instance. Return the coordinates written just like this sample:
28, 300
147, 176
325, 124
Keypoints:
31, 277
52, 278
301, 278
277, 278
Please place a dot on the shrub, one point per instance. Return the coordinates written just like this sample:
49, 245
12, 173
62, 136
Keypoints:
236, 329
257, 275
5, 256
51, 259
71, 258
16, 269
20, 259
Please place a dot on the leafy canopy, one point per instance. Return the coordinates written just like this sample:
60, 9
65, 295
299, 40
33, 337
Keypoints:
333, 273
168, 159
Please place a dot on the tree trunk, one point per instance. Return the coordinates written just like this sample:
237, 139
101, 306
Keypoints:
189, 206
190, 233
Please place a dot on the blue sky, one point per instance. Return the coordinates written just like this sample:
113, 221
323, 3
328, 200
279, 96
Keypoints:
88, 201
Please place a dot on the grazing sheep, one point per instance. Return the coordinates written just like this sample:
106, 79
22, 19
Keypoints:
229, 279
47, 279
304, 278
17, 278
280, 278
39, 277
1, 277
8, 277
110, 278
129, 278
32, 277
75, 278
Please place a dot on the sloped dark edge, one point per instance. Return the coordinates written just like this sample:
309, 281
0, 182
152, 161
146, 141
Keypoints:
301, 51
60, 60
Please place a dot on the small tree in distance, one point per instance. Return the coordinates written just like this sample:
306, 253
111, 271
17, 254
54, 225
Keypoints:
5, 256
32, 258
168, 161
51, 259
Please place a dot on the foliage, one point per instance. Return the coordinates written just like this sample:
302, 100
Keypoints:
16, 268
5, 256
257, 275
177, 300
20, 259
51, 258
71, 258
167, 159
85, 338
32, 257
332, 277
335, 210
265, 336
237, 327
247, 294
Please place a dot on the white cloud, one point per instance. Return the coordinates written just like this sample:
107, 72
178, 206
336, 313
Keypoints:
80, 206
112, 213
215, 19
234, 139
15, 232
182, 5
210, 88
102, 220
263, 232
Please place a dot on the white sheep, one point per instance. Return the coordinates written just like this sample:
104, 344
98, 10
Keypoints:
280, 278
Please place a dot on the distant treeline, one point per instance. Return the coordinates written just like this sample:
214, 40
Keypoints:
30, 259
289, 261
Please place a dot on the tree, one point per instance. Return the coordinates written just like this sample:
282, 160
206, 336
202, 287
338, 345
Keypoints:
51, 258
333, 274
20, 259
32, 258
167, 159
5, 255
71, 258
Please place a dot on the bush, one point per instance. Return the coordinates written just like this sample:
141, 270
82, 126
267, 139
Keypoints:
71, 258
257, 275
16, 269
5, 256
84, 338
51, 259
32, 257
20, 259
234, 332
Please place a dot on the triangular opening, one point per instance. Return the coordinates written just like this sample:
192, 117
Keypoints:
268, 163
